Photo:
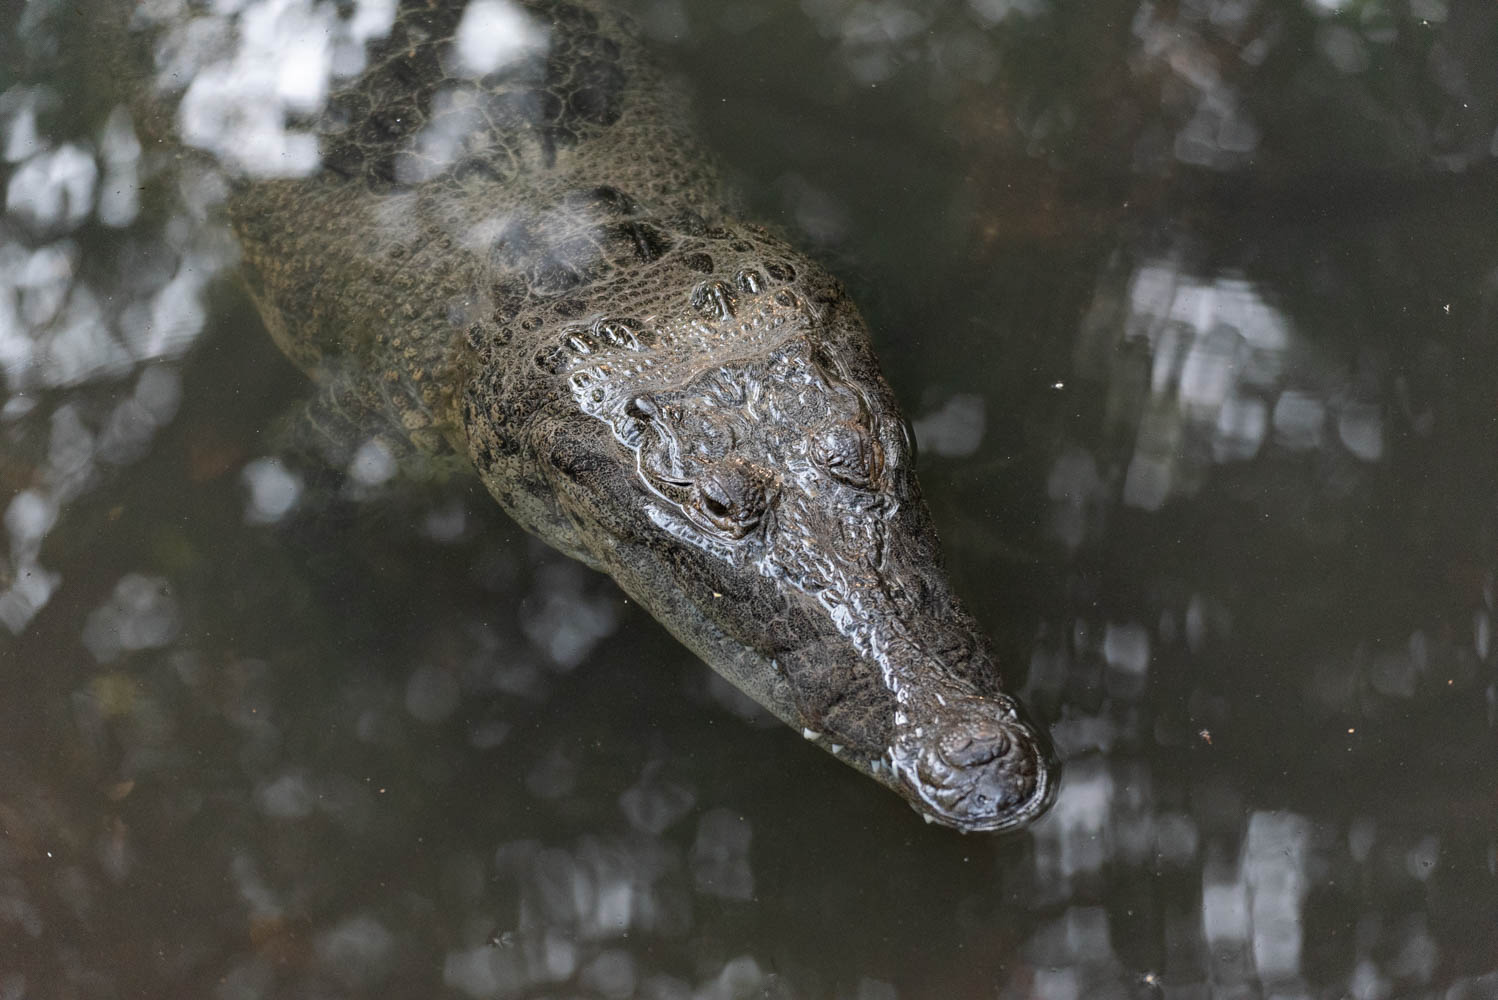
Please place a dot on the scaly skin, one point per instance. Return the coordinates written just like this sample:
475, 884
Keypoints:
535, 269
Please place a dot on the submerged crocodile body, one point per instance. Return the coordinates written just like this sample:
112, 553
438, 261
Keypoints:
527, 261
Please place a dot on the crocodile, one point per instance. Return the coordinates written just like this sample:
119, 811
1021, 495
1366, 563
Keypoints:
515, 252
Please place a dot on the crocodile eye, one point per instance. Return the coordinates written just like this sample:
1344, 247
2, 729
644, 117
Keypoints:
848, 453
716, 505
731, 498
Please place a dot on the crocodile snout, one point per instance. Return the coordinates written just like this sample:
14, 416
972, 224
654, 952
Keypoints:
977, 764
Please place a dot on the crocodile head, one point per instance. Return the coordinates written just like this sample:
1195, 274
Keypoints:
742, 469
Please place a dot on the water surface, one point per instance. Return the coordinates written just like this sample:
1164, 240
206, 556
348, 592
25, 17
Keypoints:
1194, 307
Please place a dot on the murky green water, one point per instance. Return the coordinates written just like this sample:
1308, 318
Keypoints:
1196, 309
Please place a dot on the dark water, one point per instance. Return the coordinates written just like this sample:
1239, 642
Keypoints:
1196, 309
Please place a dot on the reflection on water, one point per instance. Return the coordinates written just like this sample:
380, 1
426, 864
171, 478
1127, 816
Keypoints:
1192, 308
243, 72
84, 326
1218, 374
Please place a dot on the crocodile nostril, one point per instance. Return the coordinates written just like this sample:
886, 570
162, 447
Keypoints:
973, 747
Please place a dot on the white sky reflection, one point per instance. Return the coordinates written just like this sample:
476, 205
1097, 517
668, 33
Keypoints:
281, 61
1226, 376
495, 33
